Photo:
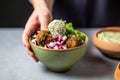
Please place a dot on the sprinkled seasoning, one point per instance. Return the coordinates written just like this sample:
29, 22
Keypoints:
57, 28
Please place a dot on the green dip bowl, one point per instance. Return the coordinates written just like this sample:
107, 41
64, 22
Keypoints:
60, 60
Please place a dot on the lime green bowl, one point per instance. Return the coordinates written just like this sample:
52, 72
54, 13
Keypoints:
60, 60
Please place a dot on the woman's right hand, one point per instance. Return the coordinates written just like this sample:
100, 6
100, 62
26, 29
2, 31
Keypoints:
39, 20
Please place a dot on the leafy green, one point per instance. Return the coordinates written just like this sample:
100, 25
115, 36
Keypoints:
71, 31
69, 28
40, 44
32, 38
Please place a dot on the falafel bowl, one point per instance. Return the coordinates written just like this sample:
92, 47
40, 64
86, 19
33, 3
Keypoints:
59, 48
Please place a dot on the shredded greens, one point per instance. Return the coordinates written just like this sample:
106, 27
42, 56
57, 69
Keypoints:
71, 31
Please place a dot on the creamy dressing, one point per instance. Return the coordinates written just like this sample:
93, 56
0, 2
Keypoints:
110, 36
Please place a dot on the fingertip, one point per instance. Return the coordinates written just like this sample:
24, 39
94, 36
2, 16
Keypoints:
36, 60
25, 40
32, 55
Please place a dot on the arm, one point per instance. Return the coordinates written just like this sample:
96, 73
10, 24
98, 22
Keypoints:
42, 3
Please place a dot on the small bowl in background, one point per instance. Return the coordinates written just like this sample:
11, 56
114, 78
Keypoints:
109, 49
60, 60
117, 72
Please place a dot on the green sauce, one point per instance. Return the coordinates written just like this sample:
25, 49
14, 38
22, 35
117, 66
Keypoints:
109, 36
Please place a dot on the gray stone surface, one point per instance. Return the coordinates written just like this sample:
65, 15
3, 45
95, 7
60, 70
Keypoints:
16, 64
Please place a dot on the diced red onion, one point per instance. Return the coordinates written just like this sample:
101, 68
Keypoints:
55, 39
35, 35
47, 46
34, 41
60, 47
64, 47
52, 44
56, 43
38, 32
56, 47
64, 37
59, 38
63, 42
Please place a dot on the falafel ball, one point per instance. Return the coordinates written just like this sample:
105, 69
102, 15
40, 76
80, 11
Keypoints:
44, 37
74, 41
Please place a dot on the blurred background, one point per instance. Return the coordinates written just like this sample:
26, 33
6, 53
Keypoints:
83, 13
14, 13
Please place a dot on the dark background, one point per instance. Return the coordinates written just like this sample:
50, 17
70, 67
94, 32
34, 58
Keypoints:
14, 13
89, 13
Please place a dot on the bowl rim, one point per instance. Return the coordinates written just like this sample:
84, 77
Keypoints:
117, 71
86, 42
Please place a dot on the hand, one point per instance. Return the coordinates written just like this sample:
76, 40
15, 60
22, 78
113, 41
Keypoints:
37, 19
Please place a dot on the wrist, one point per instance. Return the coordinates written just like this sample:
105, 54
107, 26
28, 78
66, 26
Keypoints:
42, 4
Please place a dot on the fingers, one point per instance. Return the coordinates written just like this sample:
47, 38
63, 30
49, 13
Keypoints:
31, 26
31, 54
43, 8
45, 18
28, 48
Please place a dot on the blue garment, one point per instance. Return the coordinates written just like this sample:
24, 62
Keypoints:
88, 13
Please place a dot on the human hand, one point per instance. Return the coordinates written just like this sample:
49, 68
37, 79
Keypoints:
38, 18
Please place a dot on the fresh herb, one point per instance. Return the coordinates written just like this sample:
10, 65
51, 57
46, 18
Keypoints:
32, 38
40, 44
71, 31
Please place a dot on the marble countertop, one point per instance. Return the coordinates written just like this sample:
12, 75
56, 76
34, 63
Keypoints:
16, 64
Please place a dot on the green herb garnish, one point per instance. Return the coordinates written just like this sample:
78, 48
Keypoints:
71, 31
